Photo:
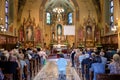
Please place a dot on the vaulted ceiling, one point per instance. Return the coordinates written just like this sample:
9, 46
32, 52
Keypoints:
66, 4
69, 5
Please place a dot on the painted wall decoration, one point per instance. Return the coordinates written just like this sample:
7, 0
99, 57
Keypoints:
97, 34
37, 34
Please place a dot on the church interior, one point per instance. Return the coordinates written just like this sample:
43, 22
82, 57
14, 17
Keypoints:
59, 26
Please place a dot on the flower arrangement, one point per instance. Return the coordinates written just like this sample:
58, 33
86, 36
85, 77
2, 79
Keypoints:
98, 45
80, 45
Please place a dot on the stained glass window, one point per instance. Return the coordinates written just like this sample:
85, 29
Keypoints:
48, 18
111, 14
70, 18
6, 13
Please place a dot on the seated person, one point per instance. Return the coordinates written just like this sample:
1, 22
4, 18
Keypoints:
62, 63
104, 59
114, 66
97, 66
86, 64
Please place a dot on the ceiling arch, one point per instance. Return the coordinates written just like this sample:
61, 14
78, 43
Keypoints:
66, 4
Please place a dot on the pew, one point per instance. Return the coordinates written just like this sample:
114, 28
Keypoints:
26, 72
31, 69
108, 76
9, 69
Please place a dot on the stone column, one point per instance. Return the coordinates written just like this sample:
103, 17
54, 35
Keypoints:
118, 21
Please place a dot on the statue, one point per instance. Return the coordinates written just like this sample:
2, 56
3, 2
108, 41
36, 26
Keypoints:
59, 29
29, 33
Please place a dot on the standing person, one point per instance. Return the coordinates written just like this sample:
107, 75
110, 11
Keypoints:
42, 55
62, 63
72, 57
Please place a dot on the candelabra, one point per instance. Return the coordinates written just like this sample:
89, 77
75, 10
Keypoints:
2, 27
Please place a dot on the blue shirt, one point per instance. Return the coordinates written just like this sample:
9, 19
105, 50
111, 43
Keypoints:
62, 63
97, 68
104, 60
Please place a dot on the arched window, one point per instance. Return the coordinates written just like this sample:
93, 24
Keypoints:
48, 18
6, 13
111, 14
70, 21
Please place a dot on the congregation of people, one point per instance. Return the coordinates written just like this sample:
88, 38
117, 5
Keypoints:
90, 63
24, 64
21, 64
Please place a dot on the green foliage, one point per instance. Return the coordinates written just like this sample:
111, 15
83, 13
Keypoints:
98, 45
81, 45
38, 46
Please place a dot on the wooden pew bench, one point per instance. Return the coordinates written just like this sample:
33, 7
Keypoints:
9, 69
108, 77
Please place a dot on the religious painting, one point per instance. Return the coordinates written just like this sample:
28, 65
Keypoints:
88, 33
29, 33
37, 34
97, 34
21, 34
59, 29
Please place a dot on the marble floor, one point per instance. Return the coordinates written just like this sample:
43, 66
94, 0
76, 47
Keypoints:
50, 72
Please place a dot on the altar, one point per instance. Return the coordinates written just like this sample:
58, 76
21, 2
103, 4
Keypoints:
58, 48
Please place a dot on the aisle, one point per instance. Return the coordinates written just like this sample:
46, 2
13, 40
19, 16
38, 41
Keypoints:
49, 72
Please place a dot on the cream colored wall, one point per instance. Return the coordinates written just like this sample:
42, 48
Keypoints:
2, 12
118, 21
34, 7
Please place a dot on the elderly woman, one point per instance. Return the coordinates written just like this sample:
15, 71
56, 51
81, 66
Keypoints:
114, 66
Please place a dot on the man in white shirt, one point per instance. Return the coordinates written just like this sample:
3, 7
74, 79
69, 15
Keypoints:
62, 63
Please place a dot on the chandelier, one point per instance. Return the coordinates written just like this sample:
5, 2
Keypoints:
58, 10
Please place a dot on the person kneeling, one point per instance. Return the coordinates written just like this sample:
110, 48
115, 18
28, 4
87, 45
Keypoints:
61, 64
